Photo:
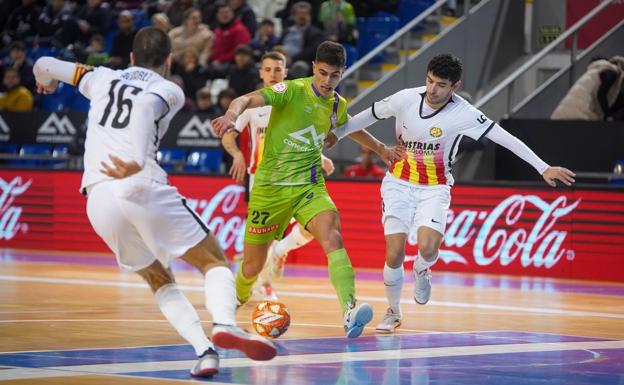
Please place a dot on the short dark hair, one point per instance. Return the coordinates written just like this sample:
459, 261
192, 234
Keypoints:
267, 22
151, 47
275, 56
446, 66
331, 53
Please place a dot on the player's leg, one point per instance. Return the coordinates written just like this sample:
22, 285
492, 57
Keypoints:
296, 238
397, 217
317, 211
270, 210
431, 214
112, 218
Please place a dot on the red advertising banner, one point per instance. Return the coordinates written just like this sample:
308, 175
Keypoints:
540, 231
596, 27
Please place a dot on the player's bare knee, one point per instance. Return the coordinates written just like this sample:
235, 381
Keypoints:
429, 251
395, 257
332, 241
156, 276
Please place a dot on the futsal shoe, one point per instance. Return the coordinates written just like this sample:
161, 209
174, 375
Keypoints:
356, 318
422, 286
390, 322
233, 337
207, 365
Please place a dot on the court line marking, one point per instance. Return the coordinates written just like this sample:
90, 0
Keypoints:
309, 359
285, 293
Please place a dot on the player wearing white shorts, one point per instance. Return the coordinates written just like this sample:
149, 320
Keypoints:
142, 219
430, 122
272, 71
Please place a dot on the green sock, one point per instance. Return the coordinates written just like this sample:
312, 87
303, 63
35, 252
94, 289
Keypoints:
342, 276
244, 285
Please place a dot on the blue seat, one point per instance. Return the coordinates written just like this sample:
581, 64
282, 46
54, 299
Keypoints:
410, 9
80, 103
9, 148
374, 31
352, 54
204, 161
34, 149
60, 100
171, 159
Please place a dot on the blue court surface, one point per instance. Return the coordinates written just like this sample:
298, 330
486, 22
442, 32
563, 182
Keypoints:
433, 358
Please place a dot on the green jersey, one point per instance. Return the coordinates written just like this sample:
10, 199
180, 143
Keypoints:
300, 120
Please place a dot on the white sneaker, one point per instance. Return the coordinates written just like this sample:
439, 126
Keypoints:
390, 322
233, 337
266, 292
207, 365
422, 286
275, 263
356, 317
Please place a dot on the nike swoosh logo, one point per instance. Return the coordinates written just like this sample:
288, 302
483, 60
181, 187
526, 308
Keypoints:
434, 221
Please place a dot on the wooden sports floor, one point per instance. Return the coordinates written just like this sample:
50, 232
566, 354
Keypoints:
76, 319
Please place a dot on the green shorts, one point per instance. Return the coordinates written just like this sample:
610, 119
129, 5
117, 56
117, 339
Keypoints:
272, 207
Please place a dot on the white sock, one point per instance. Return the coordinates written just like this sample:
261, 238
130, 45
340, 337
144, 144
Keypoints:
421, 264
221, 295
294, 240
393, 282
182, 316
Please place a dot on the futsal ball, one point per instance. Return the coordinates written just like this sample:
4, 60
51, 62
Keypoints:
270, 319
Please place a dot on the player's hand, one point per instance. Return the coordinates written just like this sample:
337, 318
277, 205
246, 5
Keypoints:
330, 140
552, 174
328, 165
121, 169
223, 124
47, 90
390, 154
238, 168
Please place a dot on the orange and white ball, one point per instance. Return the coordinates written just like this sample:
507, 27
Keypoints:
270, 319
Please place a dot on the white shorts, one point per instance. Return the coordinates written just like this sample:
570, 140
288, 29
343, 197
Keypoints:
142, 221
406, 206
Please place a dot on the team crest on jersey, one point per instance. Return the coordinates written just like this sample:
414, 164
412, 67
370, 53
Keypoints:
280, 87
436, 132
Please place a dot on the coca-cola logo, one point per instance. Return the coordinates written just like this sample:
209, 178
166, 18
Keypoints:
9, 214
538, 246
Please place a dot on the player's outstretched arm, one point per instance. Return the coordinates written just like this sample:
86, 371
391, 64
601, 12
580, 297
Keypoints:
550, 174
237, 171
385, 153
225, 123
354, 124
49, 71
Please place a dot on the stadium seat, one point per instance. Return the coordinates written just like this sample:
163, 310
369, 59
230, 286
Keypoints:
80, 103
410, 9
60, 100
33, 149
352, 54
9, 148
204, 161
374, 31
171, 159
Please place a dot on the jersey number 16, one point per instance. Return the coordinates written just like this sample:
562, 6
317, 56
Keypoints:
121, 105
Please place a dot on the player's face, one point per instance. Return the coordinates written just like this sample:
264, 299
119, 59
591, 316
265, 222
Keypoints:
272, 71
439, 90
326, 77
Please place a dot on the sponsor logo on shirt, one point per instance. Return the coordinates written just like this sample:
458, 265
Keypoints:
197, 133
308, 136
280, 88
420, 147
55, 130
436, 132
4, 131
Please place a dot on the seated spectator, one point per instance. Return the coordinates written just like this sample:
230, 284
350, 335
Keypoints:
161, 21
16, 98
286, 14
228, 35
243, 75
301, 40
22, 23
192, 33
18, 60
96, 56
122, 41
245, 14
367, 168
265, 39
193, 74
50, 22
176, 10
189, 104
338, 21
594, 93
93, 18
203, 102
225, 98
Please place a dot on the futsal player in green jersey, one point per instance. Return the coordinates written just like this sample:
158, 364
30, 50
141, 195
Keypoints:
289, 182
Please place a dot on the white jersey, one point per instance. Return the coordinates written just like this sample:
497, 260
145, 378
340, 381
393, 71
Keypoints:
130, 113
257, 119
431, 139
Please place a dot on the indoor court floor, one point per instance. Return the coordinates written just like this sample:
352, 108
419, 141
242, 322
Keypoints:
71, 318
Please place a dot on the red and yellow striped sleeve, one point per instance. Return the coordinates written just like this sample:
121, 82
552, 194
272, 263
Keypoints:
80, 70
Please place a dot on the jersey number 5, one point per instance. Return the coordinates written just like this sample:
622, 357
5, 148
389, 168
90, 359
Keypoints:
121, 105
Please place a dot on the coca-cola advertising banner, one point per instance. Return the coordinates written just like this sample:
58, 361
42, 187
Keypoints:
541, 231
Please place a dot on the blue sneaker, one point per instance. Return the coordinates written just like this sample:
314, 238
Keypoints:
356, 317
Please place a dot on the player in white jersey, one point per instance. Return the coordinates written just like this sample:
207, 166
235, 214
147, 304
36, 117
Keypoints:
430, 122
272, 71
142, 219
